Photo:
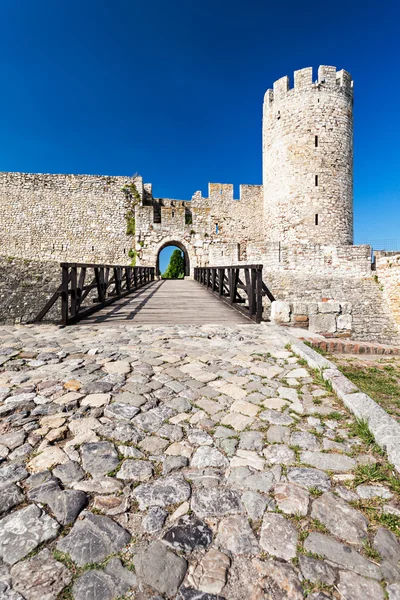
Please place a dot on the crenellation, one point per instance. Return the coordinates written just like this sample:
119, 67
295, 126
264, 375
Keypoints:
220, 191
268, 98
281, 88
327, 76
250, 192
329, 79
303, 79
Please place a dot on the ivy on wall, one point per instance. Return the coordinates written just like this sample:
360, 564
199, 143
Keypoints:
132, 255
132, 199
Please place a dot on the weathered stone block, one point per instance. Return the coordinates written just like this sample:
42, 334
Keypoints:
323, 323
332, 306
344, 322
300, 308
280, 312
346, 308
312, 308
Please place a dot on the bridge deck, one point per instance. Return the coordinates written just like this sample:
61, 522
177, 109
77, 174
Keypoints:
169, 302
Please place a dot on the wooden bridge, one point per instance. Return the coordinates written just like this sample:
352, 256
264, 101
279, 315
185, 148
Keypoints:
91, 293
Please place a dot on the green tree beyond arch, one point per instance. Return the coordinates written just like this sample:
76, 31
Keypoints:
176, 267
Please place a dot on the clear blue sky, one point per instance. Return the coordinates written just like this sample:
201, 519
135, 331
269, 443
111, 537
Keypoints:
173, 89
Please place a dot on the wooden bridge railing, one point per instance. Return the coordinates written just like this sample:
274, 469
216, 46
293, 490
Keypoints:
98, 285
241, 286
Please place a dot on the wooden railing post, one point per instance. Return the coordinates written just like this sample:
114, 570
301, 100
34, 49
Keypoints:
117, 281
81, 283
64, 293
221, 276
259, 286
74, 285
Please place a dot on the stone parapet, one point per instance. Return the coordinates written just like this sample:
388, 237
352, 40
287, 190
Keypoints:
388, 273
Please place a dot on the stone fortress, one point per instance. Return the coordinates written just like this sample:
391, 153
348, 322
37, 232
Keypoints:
298, 223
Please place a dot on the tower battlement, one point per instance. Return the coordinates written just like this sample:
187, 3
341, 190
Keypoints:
329, 79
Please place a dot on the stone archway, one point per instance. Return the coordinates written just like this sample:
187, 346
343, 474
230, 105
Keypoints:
186, 260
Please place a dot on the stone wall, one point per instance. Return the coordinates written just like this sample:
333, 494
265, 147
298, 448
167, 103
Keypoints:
25, 287
388, 274
372, 318
83, 218
78, 218
312, 258
308, 158
329, 317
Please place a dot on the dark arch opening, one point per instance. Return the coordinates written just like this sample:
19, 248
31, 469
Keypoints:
186, 262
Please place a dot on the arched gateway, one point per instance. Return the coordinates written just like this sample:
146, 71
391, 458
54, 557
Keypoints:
186, 261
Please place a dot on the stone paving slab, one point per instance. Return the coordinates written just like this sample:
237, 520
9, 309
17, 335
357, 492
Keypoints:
189, 462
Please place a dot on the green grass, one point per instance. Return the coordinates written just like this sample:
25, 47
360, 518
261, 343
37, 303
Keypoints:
360, 428
377, 473
315, 348
335, 416
370, 551
373, 473
372, 509
316, 525
382, 384
319, 380
314, 491
391, 522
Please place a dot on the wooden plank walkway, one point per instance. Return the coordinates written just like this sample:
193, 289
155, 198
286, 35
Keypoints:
169, 302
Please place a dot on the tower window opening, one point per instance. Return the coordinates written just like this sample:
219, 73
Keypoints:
316, 180
92, 248
316, 141
188, 217
317, 219
216, 228
157, 213
173, 214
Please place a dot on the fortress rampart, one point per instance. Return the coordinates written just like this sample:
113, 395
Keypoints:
298, 223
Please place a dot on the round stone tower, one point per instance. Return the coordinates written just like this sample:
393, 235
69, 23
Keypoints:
308, 159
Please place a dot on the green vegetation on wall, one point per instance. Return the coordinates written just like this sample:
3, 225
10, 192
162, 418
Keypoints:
132, 255
132, 199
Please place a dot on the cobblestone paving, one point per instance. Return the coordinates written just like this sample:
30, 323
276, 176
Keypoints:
196, 463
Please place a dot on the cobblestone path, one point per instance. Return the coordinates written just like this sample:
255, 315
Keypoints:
196, 463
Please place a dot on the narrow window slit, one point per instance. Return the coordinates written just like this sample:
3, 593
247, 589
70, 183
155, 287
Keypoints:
316, 180
316, 141
316, 219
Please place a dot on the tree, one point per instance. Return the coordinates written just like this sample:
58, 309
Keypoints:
176, 267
